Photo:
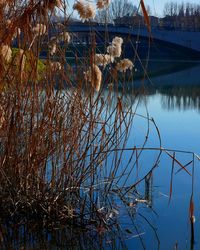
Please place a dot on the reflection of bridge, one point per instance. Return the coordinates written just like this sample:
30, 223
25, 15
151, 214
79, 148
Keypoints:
186, 39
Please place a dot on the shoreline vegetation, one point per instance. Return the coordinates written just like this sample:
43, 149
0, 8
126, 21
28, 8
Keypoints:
62, 166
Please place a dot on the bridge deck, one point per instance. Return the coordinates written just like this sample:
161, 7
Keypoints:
187, 39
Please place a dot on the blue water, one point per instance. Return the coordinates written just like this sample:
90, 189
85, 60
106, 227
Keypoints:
173, 100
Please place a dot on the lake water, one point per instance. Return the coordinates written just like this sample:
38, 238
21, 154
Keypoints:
173, 100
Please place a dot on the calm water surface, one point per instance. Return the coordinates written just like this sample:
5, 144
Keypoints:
173, 100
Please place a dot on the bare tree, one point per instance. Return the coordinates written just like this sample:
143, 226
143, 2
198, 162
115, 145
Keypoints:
170, 9
181, 9
185, 15
118, 8
184, 9
166, 10
103, 16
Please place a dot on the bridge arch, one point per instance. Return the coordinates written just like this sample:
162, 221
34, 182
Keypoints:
185, 39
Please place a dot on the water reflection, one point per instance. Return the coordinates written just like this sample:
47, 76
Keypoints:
115, 234
178, 74
181, 98
167, 224
149, 188
177, 90
186, 97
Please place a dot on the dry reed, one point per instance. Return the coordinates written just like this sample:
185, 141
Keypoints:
52, 139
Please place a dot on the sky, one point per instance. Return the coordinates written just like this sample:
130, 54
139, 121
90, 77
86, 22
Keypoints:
155, 5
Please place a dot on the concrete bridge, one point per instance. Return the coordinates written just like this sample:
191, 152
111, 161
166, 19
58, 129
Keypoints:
186, 39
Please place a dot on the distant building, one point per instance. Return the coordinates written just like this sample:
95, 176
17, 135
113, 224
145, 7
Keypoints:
136, 21
175, 22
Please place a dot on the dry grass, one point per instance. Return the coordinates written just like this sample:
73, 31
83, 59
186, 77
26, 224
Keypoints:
55, 142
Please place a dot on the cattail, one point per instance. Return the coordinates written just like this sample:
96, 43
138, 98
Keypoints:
6, 52
117, 41
114, 51
124, 65
103, 59
99, 60
94, 75
39, 29
85, 10
109, 59
55, 66
101, 4
64, 37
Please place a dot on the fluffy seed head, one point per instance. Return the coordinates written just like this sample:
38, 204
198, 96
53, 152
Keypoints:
85, 10
55, 66
124, 65
114, 51
101, 4
103, 59
39, 29
52, 48
6, 52
64, 37
117, 41
94, 75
